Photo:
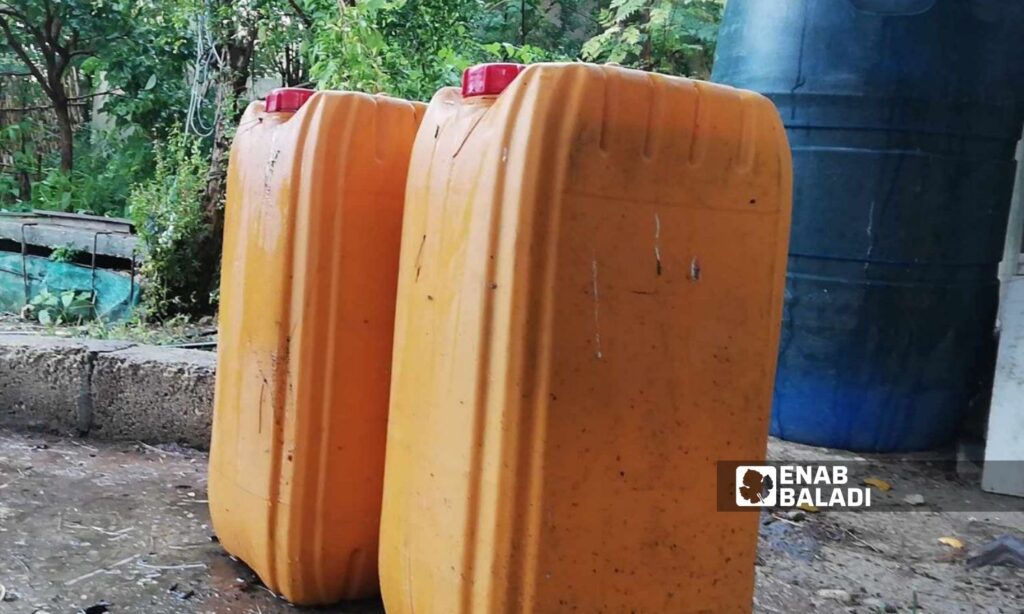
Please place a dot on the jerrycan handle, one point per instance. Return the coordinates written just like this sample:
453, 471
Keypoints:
893, 8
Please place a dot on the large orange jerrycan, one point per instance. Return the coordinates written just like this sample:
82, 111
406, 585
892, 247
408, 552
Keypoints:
313, 225
589, 305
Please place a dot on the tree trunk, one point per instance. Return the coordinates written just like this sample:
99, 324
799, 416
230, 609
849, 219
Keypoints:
24, 178
67, 134
646, 56
522, 23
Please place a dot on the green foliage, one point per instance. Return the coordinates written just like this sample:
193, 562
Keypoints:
10, 190
67, 307
73, 30
50, 41
406, 48
669, 36
127, 58
412, 48
281, 49
134, 71
19, 141
108, 165
147, 76
557, 27
168, 214
65, 253
142, 327
527, 54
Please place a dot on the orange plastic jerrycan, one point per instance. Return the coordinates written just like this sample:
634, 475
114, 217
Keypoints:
589, 304
316, 185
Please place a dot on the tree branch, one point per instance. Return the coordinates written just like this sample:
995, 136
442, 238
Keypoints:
42, 107
7, 9
301, 14
19, 50
74, 101
95, 94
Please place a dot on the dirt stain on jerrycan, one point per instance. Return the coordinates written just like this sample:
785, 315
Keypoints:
316, 185
589, 303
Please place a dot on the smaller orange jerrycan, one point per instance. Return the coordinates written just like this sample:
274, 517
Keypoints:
316, 184
589, 307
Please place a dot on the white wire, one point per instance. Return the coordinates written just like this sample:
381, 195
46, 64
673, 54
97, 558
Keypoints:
205, 58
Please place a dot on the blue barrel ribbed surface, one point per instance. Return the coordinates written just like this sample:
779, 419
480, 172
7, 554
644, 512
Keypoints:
903, 116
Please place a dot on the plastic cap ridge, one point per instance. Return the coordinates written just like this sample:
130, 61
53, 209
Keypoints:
489, 79
287, 99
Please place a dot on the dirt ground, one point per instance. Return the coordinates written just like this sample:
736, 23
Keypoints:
92, 527
890, 561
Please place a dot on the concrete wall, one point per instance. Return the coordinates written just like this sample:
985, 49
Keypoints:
106, 389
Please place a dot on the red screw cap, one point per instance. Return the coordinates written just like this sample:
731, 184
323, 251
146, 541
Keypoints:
287, 99
489, 79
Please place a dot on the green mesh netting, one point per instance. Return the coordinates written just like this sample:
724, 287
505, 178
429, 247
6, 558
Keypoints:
115, 295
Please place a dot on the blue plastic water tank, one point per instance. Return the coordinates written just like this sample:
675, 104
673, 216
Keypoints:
903, 116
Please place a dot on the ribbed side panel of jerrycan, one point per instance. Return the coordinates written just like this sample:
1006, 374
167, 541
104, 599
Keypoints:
314, 214
590, 294
902, 116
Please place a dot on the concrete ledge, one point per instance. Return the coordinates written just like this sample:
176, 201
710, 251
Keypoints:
109, 390
41, 231
154, 394
42, 381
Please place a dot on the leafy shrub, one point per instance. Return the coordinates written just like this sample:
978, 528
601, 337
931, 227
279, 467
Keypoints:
65, 253
669, 36
407, 48
141, 328
107, 164
9, 189
168, 214
554, 29
526, 54
17, 143
68, 307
